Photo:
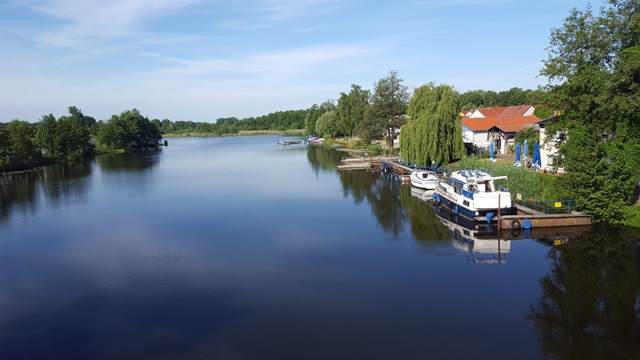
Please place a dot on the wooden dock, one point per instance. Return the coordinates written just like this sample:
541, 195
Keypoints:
369, 163
529, 218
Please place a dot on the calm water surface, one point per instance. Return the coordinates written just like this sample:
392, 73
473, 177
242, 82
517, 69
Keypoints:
238, 248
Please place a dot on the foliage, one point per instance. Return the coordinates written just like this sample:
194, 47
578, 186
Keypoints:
434, 131
313, 114
531, 135
374, 150
386, 109
18, 150
351, 109
327, 123
474, 99
68, 138
594, 79
129, 130
631, 216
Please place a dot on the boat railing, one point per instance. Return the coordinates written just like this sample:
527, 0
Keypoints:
543, 205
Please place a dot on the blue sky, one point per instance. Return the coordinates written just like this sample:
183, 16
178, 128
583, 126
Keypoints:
202, 60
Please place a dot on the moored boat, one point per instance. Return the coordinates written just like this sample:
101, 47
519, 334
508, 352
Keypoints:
424, 179
473, 194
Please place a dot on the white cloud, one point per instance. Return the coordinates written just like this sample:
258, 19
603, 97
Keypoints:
83, 21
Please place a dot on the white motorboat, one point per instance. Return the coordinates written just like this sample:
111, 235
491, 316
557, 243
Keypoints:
424, 179
472, 194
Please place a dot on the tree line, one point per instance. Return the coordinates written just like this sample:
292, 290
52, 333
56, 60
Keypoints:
72, 137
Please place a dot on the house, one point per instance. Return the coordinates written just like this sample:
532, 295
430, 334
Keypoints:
498, 125
548, 151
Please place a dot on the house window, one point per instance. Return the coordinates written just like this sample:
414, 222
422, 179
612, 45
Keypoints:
549, 159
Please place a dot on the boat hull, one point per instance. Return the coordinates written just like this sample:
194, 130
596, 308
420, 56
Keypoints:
456, 204
424, 180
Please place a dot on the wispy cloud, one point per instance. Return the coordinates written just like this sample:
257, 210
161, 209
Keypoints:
463, 2
79, 22
268, 13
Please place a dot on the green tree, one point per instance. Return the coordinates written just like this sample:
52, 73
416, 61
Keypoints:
129, 130
594, 81
386, 110
351, 108
72, 135
22, 151
433, 134
327, 123
314, 113
46, 136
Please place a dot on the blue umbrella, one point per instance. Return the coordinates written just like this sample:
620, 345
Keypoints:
491, 152
517, 162
536, 161
525, 150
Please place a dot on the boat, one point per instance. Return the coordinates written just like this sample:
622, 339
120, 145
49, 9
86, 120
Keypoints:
424, 179
472, 194
285, 143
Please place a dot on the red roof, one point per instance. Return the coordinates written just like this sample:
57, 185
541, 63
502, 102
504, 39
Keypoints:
504, 111
506, 124
491, 111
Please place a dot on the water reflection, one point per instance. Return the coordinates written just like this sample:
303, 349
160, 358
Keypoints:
133, 163
480, 242
590, 303
59, 184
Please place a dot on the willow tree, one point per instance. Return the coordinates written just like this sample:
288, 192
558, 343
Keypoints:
433, 134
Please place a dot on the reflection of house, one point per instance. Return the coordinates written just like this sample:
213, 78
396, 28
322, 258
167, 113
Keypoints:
548, 151
496, 124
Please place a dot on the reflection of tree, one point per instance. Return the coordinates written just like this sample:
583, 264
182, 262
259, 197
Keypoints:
66, 181
130, 162
323, 158
17, 189
391, 203
589, 304
61, 182
425, 225
381, 192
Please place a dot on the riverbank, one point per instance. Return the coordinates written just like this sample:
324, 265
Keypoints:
299, 132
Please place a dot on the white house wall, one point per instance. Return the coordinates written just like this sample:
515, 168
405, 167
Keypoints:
547, 150
530, 111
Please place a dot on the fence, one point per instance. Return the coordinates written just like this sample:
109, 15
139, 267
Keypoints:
543, 205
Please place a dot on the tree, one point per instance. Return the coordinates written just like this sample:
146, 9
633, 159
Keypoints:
314, 113
434, 131
351, 108
22, 151
593, 70
46, 136
129, 130
384, 114
72, 135
327, 123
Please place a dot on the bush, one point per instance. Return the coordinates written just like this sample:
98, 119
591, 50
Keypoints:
374, 150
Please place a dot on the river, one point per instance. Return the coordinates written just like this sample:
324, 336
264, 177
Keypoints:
239, 248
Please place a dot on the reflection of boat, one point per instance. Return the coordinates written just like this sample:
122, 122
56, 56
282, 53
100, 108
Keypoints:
479, 241
472, 194
422, 194
424, 179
